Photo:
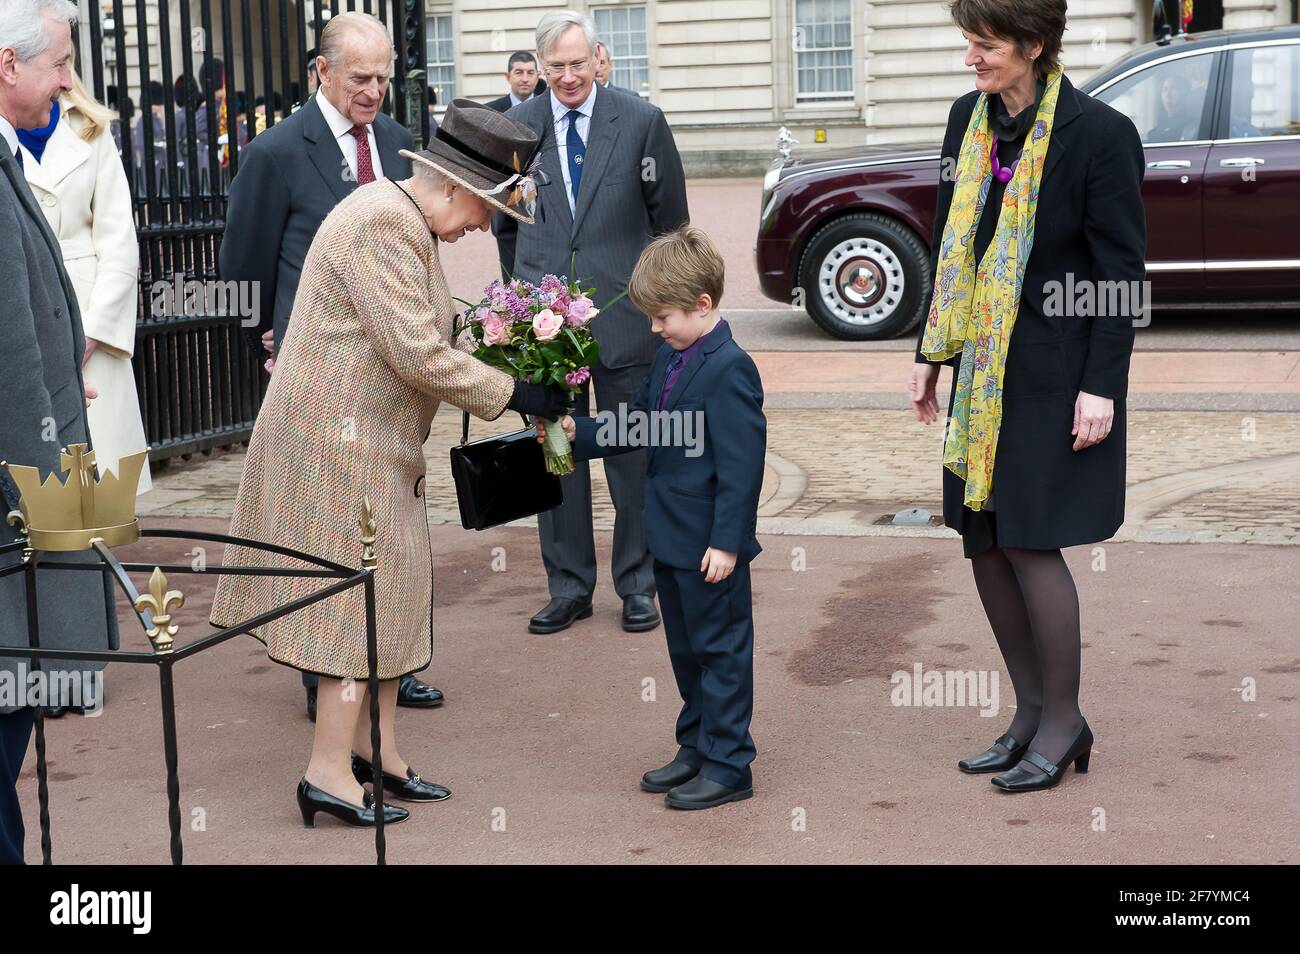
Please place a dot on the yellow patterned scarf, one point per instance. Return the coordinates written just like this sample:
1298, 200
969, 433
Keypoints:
974, 309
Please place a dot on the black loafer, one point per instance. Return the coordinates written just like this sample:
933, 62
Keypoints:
559, 614
312, 800
669, 777
701, 792
409, 789
414, 694
993, 759
639, 613
311, 703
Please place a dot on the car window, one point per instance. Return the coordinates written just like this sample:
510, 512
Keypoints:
1265, 92
1165, 101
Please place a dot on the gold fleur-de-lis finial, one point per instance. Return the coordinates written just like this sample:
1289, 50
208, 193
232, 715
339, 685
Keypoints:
160, 601
367, 524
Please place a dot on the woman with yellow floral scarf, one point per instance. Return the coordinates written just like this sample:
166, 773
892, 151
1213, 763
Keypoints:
1039, 212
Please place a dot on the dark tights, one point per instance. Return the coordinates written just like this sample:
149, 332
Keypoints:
1033, 607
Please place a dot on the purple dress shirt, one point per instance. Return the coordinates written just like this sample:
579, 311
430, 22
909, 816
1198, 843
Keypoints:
678, 362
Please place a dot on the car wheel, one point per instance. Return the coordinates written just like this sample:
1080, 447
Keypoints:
865, 277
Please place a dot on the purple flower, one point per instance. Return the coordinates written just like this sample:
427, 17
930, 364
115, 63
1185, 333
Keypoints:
575, 378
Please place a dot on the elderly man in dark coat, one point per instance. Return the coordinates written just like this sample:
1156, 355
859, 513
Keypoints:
41, 390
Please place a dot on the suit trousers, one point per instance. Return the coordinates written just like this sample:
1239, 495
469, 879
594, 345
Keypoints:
15, 733
710, 630
568, 544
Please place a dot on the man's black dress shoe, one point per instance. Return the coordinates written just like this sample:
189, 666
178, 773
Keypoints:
414, 694
1047, 774
409, 789
639, 613
994, 759
701, 792
312, 800
311, 703
667, 778
559, 614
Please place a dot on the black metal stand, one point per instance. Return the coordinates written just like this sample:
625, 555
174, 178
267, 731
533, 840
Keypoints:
345, 578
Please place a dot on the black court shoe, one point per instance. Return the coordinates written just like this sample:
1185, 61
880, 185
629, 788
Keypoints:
312, 800
993, 759
1046, 774
409, 789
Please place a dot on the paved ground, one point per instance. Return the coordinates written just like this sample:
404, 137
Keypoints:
1192, 667
550, 734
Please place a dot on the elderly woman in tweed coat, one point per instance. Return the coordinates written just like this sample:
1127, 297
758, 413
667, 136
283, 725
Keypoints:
365, 364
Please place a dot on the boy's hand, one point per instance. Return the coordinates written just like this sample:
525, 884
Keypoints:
717, 565
570, 429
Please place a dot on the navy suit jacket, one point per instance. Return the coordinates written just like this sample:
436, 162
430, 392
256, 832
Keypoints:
290, 178
711, 500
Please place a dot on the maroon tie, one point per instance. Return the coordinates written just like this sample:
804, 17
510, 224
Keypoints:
365, 168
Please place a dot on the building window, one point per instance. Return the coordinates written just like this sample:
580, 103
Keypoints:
441, 53
622, 30
823, 50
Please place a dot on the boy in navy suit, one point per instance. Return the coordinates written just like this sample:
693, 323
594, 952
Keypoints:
699, 413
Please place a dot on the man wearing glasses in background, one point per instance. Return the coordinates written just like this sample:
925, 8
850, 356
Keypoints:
615, 181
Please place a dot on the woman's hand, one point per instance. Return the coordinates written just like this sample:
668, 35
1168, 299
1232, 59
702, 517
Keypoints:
91, 345
1093, 417
570, 429
91, 393
717, 565
921, 391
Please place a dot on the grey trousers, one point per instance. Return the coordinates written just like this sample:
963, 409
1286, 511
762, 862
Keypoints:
568, 543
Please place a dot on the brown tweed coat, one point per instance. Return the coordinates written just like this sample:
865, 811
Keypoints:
360, 374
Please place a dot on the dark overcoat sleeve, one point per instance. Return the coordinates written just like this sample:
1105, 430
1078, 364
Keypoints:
256, 214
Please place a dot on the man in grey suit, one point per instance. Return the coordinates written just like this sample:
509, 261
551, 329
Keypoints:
615, 181
291, 177
43, 396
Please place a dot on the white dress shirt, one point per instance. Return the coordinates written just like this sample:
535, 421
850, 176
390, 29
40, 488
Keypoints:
561, 114
341, 127
10, 135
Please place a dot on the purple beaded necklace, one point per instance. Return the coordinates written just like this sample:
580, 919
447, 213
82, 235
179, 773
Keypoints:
1002, 174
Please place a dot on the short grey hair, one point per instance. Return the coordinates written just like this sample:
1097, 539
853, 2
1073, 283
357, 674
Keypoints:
338, 28
555, 24
22, 24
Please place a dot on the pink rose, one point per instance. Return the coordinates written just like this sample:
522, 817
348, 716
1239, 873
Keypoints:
547, 324
481, 313
581, 311
576, 378
496, 330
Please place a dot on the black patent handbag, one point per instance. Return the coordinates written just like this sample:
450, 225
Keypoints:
503, 478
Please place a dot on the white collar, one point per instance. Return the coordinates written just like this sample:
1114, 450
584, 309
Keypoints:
559, 110
339, 124
10, 135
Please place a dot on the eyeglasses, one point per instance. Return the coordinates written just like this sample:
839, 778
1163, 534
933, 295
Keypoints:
559, 69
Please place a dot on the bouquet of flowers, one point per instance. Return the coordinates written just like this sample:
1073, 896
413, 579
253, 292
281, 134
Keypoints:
538, 333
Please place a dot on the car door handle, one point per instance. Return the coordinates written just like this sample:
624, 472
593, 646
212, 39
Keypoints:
1241, 161
1170, 164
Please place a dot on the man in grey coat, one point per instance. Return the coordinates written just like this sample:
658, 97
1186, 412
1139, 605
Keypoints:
291, 177
42, 393
615, 181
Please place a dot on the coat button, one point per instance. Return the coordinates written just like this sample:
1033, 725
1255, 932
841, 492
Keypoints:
47, 200
419, 487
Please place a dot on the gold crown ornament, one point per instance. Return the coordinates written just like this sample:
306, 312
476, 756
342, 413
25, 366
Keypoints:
63, 516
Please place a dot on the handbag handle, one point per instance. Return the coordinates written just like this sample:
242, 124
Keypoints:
464, 425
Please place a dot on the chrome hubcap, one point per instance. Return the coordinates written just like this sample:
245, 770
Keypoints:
861, 281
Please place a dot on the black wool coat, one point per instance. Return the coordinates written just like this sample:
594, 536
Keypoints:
1090, 228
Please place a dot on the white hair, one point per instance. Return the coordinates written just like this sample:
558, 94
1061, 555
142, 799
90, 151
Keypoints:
22, 24
555, 24
338, 28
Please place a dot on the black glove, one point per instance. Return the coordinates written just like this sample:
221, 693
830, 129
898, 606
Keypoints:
540, 400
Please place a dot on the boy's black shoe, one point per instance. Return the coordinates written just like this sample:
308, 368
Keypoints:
667, 778
701, 792
559, 614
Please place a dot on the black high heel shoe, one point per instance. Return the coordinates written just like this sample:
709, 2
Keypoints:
312, 800
993, 760
409, 789
1048, 774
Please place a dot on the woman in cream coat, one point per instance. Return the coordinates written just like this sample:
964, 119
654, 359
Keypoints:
81, 187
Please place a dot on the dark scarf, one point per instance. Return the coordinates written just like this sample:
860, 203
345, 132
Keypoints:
35, 139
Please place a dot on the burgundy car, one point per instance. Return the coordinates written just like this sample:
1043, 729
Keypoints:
846, 233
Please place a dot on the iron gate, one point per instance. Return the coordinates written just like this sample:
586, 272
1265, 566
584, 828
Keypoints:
199, 384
